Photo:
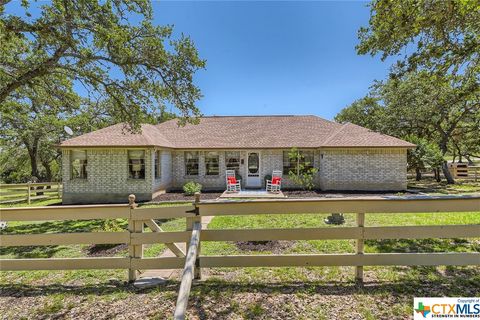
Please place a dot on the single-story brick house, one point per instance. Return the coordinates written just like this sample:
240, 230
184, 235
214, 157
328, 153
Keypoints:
108, 164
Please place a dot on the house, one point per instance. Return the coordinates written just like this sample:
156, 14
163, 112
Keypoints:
108, 164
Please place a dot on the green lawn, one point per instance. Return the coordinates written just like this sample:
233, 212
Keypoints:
235, 293
430, 186
21, 193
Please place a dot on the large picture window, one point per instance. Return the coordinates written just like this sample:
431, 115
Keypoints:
136, 164
79, 164
306, 159
191, 163
212, 163
158, 165
232, 160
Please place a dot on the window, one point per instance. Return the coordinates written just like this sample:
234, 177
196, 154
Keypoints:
136, 164
212, 164
306, 159
157, 164
79, 164
191, 163
232, 160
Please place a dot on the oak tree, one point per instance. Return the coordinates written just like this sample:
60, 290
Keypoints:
110, 48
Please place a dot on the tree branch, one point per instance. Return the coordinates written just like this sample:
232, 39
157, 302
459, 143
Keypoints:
40, 70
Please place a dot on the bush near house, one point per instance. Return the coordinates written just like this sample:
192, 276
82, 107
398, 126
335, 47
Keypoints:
191, 187
304, 173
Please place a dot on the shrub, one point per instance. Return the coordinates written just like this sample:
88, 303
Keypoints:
111, 225
304, 175
108, 225
191, 187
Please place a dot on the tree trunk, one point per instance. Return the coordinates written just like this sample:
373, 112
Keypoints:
32, 148
470, 162
447, 174
48, 171
418, 174
437, 174
33, 162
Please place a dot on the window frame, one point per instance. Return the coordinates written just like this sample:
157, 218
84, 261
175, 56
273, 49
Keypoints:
207, 163
131, 164
310, 163
157, 163
294, 166
82, 166
186, 163
236, 167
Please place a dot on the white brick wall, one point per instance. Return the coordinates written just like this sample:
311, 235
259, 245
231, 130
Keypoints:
339, 169
270, 159
208, 182
107, 177
165, 181
363, 169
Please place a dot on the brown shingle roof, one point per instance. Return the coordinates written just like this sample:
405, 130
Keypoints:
232, 132
351, 135
118, 136
250, 132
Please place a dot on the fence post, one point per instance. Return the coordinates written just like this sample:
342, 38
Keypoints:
190, 222
58, 190
29, 193
360, 246
134, 226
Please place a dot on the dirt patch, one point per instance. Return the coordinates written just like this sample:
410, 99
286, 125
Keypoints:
210, 195
270, 246
104, 250
180, 196
333, 194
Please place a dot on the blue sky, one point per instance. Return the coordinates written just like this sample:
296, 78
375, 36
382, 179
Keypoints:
276, 57
270, 57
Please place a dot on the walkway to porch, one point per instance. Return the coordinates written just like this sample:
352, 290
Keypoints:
252, 193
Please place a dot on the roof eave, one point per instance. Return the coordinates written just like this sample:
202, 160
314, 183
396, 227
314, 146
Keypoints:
110, 146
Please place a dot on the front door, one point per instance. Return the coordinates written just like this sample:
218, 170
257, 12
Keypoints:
253, 170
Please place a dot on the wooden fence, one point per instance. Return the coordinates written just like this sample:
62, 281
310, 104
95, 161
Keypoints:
20, 192
192, 261
467, 173
474, 173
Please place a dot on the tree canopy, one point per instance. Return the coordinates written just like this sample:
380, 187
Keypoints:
136, 66
86, 64
433, 90
440, 36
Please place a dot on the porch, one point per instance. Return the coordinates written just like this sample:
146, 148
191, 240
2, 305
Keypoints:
253, 193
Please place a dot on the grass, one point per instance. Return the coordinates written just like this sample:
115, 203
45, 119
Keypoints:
430, 186
21, 193
248, 293
244, 293
34, 203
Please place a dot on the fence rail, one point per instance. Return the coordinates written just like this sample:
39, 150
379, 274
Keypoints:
20, 192
471, 173
192, 261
